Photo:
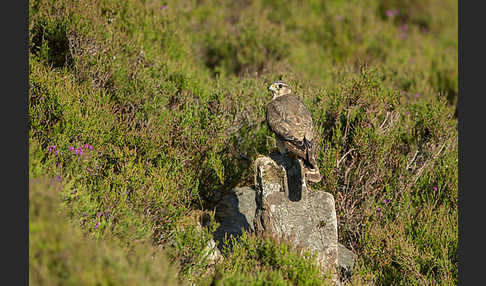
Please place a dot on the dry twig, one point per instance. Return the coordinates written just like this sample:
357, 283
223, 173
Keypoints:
342, 158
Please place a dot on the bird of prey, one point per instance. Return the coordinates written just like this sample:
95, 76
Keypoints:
292, 124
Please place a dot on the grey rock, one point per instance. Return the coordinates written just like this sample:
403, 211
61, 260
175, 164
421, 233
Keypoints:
288, 209
212, 253
282, 206
346, 259
235, 212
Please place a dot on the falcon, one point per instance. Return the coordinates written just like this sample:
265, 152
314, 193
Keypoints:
291, 122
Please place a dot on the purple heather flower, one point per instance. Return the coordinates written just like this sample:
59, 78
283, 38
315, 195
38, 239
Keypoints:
71, 148
97, 225
52, 148
435, 188
417, 94
404, 27
391, 13
163, 7
378, 209
99, 214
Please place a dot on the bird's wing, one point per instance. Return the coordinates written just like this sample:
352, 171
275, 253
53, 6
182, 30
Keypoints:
289, 119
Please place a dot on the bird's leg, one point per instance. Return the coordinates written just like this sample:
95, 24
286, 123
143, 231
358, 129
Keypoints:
302, 177
285, 181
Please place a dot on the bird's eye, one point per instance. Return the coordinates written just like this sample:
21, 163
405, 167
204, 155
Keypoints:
279, 85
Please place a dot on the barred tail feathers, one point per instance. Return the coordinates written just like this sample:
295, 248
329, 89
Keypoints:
312, 171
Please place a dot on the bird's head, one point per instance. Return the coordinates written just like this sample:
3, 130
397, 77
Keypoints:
279, 88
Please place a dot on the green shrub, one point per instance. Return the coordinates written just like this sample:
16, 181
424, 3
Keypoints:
61, 254
266, 261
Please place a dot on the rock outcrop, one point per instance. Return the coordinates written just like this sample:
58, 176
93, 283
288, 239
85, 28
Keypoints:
283, 207
288, 209
346, 260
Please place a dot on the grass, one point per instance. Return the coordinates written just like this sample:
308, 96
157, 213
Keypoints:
62, 254
171, 96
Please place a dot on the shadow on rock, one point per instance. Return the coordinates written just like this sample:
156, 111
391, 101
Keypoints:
294, 175
236, 213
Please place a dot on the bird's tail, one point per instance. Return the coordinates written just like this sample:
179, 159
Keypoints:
312, 173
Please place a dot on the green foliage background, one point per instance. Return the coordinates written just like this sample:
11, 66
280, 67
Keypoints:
172, 96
